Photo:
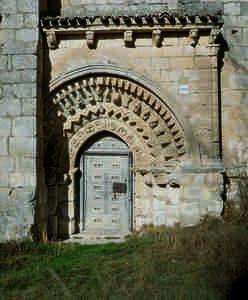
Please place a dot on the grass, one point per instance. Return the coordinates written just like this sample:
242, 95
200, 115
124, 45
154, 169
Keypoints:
207, 262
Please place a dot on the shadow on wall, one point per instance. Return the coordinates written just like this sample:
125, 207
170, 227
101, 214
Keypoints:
239, 289
51, 8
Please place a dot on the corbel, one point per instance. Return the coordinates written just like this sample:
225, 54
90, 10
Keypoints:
194, 37
52, 41
90, 39
129, 38
157, 38
214, 34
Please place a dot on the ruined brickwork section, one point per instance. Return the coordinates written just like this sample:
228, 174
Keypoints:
18, 85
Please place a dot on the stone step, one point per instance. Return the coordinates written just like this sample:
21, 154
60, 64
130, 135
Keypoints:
91, 239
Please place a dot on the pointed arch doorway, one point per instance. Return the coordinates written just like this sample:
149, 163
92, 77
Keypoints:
106, 187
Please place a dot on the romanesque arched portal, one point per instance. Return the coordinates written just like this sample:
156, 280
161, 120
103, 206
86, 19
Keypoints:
95, 103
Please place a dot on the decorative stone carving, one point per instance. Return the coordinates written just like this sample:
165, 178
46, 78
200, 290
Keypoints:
140, 151
90, 39
157, 38
87, 101
129, 38
164, 19
213, 38
52, 41
194, 37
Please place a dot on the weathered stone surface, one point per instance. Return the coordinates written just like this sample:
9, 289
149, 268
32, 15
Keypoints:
5, 126
10, 107
159, 94
3, 63
12, 21
27, 35
27, 6
24, 62
30, 20
24, 127
22, 145
8, 6
7, 163
29, 107
3, 146
7, 38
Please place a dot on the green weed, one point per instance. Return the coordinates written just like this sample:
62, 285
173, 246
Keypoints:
204, 262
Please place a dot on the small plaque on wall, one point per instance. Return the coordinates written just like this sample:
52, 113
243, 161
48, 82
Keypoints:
184, 89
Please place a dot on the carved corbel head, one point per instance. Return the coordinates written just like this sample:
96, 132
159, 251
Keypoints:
194, 37
52, 41
157, 38
129, 38
90, 39
213, 38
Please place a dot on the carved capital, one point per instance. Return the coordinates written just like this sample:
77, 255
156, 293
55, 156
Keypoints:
129, 38
157, 38
90, 39
52, 41
194, 37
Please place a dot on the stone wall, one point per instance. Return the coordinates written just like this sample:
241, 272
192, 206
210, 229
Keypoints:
120, 7
115, 7
235, 97
18, 96
176, 67
185, 73
173, 67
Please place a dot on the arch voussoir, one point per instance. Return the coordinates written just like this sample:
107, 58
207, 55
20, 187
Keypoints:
97, 97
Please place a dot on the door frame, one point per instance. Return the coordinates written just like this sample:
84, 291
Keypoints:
82, 185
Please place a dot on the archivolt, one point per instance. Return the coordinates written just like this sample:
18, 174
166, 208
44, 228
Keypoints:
111, 97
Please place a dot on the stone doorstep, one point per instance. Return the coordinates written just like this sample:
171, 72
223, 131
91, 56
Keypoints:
91, 239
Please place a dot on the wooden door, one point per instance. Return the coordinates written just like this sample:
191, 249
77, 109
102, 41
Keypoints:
106, 187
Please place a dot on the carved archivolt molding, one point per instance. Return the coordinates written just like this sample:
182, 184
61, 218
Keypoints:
86, 100
142, 153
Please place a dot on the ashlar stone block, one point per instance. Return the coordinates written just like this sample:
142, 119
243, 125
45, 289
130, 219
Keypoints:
27, 6
22, 179
30, 20
24, 90
25, 164
12, 21
4, 180
29, 107
7, 163
8, 6
7, 37
23, 145
27, 35
232, 9
3, 63
10, 108
24, 127
5, 127
3, 146
24, 62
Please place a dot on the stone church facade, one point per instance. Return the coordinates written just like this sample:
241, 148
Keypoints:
117, 114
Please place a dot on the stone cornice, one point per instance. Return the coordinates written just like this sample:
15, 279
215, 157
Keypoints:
91, 28
139, 22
